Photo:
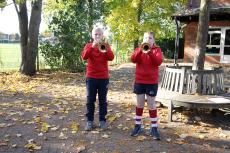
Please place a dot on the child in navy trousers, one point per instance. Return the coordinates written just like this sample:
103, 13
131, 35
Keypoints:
97, 77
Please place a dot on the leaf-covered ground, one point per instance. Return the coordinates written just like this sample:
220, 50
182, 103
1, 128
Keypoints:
45, 114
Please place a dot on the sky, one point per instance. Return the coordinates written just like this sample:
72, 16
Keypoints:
9, 20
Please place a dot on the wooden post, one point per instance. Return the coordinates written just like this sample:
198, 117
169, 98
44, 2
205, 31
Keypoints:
176, 42
170, 109
37, 59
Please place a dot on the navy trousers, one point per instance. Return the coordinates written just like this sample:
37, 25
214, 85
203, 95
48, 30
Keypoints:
94, 87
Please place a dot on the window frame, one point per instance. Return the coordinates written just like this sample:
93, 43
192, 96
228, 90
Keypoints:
222, 40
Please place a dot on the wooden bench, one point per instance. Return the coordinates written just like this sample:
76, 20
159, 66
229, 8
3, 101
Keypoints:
172, 99
180, 83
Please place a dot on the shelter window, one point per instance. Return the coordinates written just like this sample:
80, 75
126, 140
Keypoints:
213, 42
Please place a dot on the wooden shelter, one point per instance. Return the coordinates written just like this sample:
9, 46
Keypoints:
218, 43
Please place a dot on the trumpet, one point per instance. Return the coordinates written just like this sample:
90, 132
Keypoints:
145, 47
102, 47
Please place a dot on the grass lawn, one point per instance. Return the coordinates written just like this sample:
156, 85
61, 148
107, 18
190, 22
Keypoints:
10, 57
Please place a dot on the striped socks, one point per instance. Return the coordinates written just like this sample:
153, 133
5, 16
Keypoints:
153, 117
139, 112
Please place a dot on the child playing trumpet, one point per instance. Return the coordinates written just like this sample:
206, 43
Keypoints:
146, 82
97, 77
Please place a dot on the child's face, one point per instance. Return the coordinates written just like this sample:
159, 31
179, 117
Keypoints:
97, 35
148, 38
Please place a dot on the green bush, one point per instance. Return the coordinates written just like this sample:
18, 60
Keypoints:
71, 33
168, 47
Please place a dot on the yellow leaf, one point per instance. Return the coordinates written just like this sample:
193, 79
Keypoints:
37, 119
111, 118
74, 127
32, 146
45, 127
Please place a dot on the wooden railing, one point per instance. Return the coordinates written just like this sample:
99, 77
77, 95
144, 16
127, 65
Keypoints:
205, 82
184, 80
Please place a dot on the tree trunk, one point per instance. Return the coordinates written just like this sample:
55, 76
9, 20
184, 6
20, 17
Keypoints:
29, 36
35, 20
201, 39
23, 28
139, 12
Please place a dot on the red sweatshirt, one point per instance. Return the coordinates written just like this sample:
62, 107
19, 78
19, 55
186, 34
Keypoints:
97, 62
147, 65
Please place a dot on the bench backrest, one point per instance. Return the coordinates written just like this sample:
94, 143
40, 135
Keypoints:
187, 81
173, 79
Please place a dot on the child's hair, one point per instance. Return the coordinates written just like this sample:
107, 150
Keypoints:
149, 32
96, 28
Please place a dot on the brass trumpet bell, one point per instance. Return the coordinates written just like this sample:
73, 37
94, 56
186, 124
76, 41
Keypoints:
145, 47
102, 47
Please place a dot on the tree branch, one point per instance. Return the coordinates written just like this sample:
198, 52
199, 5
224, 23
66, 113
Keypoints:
16, 8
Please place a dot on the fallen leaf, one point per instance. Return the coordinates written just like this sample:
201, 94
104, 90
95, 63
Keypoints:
62, 136
106, 136
141, 138
201, 136
32, 146
223, 135
183, 136
125, 128
168, 140
3, 144
81, 148
95, 132
14, 145
45, 127
54, 128
74, 127
111, 118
